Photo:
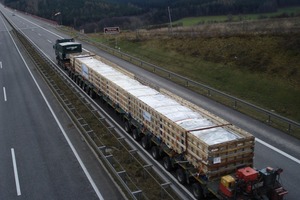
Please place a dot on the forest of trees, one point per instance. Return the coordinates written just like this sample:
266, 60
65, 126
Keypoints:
130, 14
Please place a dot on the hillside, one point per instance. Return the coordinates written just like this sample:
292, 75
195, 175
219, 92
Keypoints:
93, 15
262, 68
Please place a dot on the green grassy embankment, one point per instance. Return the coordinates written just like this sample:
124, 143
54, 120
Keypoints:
261, 69
191, 21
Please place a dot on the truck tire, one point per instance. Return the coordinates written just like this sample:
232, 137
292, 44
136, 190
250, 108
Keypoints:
181, 176
92, 93
135, 135
87, 89
197, 191
127, 127
155, 152
145, 143
167, 163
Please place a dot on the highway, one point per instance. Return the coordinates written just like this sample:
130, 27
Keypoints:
42, 155
273, 148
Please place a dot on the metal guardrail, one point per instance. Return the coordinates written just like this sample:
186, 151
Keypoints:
266, 116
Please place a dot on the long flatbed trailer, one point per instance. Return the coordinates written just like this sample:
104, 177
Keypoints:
206, 151
209, 143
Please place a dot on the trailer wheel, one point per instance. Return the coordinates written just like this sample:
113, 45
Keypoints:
155, 152
135, 135
198, 191
87, 89
167, 163
127, 127
145, 143
92, 93
181, 176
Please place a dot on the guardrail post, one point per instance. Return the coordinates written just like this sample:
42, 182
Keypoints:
137, 194
163, 187
122, 175
145, 167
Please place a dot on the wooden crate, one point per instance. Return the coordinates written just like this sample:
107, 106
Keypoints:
219, 159
211, 160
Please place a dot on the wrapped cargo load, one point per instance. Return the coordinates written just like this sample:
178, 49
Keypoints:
213, 146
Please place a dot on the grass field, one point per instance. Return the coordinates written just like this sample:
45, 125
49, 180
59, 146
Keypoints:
263, 70
191, 21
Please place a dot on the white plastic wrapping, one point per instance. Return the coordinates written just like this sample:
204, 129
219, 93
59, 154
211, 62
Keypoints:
182, 115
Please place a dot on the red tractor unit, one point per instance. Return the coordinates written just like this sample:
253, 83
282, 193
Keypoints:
249, 183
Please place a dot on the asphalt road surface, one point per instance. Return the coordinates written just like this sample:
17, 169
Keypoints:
273, 148
37, 158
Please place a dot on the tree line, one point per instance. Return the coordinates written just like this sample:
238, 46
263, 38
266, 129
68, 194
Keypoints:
130, 14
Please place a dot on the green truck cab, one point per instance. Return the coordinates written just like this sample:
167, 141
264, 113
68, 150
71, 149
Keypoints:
64, 47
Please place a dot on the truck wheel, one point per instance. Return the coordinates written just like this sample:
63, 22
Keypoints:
87, 89
92, 93
145, 143
167, 163
198, 191
181, 176
135, 135
127, 127
155, 152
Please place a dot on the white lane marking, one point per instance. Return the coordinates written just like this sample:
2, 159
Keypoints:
49, 41
59, 124
278, 150
41, 27
0, 65
39, 34
4, 94
16, 172
258, 140
46, 30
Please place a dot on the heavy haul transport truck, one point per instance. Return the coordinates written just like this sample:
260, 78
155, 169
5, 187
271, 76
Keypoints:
209, 153
63, 48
